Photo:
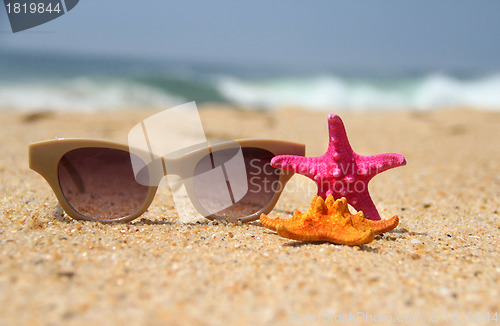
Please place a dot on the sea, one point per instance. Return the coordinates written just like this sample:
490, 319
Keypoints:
32, 81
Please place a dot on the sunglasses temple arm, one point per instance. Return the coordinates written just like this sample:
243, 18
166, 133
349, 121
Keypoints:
77, 179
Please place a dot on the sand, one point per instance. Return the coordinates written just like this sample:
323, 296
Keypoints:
439, 265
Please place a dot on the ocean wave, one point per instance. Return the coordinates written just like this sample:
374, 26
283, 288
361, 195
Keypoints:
82, 94
322, 92
315, 92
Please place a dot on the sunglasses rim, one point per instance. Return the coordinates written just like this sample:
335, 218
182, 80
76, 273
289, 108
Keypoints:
44, 158
275, 147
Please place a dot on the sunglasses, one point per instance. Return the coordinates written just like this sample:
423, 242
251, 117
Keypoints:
94, 179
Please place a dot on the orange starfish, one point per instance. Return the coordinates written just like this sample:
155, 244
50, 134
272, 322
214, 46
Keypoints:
329, 220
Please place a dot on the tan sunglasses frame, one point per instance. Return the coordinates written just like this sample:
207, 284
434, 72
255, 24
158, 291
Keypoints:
44, 157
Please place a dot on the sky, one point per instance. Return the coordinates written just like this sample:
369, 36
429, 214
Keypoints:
383, 34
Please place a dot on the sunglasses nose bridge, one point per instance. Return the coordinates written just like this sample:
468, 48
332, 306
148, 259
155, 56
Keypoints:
172, 166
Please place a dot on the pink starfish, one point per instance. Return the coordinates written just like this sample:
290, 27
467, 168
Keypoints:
340, 171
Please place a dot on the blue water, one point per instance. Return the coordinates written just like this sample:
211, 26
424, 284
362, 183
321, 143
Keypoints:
61, 82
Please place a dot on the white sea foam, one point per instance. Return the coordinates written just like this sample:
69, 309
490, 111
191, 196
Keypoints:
433, 91
82, 94
315, 92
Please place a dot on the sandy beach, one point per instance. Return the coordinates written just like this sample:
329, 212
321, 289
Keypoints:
440, 264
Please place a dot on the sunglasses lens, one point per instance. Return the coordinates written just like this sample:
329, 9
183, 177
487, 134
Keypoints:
99, 183
262, 179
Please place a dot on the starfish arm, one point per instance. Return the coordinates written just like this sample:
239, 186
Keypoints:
274, 223
374, 164
337, 140
299, 164
355, 237
270, 223
365, 204
346, 235
297, 233
378, 227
